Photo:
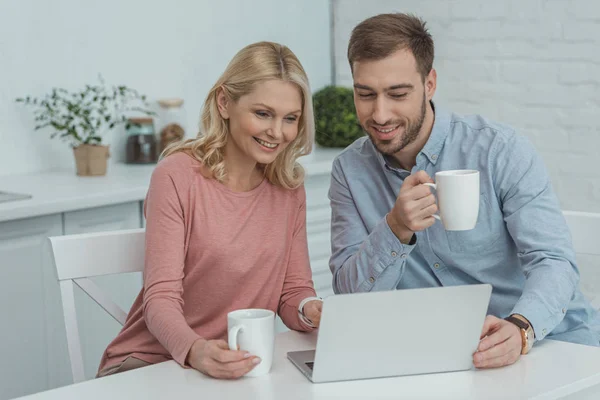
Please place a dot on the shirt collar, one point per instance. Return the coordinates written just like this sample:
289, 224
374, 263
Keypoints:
435, 143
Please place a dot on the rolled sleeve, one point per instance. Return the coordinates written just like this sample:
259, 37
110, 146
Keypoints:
539, 230
541, 317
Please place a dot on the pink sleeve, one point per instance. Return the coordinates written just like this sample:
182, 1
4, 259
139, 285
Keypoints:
164, 266
298, 283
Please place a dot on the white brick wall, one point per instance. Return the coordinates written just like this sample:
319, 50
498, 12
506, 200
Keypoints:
533, 64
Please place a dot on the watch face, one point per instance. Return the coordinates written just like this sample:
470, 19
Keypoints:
530, 336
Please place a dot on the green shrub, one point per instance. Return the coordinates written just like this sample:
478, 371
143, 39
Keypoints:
335, 119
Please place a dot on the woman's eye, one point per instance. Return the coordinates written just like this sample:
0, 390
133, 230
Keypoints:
262, 114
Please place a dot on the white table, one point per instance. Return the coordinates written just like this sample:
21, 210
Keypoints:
553, 370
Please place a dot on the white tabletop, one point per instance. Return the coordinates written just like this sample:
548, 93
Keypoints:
552, 370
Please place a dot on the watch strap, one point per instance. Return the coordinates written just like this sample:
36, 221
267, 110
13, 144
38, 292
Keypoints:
518, 322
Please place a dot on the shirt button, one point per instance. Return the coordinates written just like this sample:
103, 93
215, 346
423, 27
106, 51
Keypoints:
434, 156
403, 255
564, 310
394, 254
544, 332
436, 265
371, 279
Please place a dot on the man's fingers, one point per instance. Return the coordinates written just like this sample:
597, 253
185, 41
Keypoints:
422, 177
495, 338
417, 178
418, 214
428, 211
496, 351
501, 344
489, 325
415, 193
413, 207
427, 222
500, 361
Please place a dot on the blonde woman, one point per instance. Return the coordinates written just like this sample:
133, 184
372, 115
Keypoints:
226, 223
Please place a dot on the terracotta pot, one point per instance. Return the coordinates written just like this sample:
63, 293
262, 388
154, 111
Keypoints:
91, 160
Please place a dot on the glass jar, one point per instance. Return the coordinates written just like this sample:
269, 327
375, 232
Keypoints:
141, 141
172, 122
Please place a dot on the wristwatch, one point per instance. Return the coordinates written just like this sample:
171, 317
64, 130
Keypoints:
527, 335
303, 317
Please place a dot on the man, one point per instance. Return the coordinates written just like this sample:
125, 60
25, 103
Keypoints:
383, 234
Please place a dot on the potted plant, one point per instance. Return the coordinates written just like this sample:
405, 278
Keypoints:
81, 118
335, 119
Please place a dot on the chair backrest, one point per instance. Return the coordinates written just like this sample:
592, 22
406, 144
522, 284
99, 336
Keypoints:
78, 257
585, 230
584, 227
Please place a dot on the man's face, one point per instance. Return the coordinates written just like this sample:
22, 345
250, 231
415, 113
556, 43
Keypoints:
391, 99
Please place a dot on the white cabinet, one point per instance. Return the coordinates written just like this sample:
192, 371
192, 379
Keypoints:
318, 219
22, 348
96, 327
101, 219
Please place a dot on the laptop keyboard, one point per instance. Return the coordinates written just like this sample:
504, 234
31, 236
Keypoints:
310, 365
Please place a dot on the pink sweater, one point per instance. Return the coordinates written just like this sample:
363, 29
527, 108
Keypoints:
210, 250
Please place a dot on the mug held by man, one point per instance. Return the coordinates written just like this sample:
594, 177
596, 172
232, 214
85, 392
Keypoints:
457, 198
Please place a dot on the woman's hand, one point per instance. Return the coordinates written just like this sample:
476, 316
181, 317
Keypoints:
213, 358
312, 311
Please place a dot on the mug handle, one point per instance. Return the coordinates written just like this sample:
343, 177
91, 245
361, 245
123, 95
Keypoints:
433, 185
232, 336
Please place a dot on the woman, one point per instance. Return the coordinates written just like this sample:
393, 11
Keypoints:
226, 223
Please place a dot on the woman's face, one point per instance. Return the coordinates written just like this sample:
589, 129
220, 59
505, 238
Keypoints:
262, 123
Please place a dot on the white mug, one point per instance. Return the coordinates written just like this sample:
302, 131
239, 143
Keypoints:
253, 330
457, 198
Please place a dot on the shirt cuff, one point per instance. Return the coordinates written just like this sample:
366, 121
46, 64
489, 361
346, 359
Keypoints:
541, 319
301, 312
386, 250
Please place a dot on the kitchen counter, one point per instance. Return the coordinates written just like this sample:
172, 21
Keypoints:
62, 190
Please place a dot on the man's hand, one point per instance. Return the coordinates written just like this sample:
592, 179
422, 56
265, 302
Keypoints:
414, 207
312, 311
500, 344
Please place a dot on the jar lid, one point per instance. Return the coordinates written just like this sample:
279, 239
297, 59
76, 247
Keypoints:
170, 103
140, 121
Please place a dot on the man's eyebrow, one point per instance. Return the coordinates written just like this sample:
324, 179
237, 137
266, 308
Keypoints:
393, 87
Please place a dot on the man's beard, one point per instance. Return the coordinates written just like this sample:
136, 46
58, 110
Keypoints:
411, 133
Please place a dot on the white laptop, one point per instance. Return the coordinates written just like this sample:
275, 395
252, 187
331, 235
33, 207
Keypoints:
398, 332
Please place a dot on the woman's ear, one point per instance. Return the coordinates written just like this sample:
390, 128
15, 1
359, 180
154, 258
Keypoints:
222, 103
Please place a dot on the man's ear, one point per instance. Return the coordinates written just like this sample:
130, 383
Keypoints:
430, 84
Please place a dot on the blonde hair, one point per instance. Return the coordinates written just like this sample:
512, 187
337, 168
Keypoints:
255, 63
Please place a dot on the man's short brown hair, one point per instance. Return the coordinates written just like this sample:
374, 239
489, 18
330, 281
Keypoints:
378, 37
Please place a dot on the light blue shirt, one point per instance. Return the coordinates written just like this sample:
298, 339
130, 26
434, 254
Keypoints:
521, 244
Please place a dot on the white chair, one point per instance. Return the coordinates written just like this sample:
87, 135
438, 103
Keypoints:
585, 230
79, 257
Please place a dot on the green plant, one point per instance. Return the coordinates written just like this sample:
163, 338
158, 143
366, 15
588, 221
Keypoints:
80, 117
335, 120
